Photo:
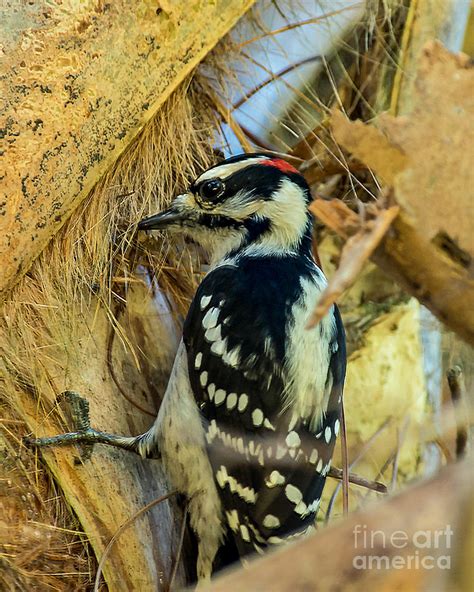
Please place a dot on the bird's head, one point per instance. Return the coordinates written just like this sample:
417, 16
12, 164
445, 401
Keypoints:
251, 201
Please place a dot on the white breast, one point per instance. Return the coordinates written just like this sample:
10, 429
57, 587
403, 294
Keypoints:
179, 431
308, 355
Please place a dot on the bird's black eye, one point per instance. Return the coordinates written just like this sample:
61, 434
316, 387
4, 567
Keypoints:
211, 190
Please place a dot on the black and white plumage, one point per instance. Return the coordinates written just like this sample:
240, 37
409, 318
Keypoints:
262, 393
248, 423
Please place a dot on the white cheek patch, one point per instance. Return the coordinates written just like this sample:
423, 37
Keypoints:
287, 211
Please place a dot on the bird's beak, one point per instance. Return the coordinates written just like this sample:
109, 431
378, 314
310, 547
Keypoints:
163, 219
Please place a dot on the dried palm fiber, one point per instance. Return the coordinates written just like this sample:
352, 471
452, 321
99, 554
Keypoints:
96, 300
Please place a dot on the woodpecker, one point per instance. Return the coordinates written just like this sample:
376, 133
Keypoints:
251, 413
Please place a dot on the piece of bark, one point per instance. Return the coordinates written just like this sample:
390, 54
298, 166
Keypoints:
424, 156
79, 81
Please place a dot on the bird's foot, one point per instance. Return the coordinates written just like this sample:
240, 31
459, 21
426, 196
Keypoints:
84, 435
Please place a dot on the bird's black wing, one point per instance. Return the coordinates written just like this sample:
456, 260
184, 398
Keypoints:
269, 480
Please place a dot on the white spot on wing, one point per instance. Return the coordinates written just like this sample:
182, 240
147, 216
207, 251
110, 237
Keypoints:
337, 426
203, 379
327, 435
197, 361
232, 358
271, 521
211, 431
301, 509
257, 417
233, 520
211, 389
205, 302
231, 401
243, 401
218, 347
293, 440
313, 457
293, 494
210, 318
256, 533
244, 533
268, 424
213, 334
275, 478
240, 445
246, 493
219, 397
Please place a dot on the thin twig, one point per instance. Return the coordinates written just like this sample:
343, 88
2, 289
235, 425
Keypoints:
174, 569
456, 388
345, 463
444, 450
321, 108
337, 473
227, 117
256, 139
402, 54
274, 77
289, 27
111, 369
123, 527
383, 468
401, 433
362, 452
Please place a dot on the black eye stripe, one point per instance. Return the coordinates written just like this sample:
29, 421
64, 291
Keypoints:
217, 221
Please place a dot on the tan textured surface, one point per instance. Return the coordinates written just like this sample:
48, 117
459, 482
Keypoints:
432, 19
79, 80
385, 380
112, 485
438, 137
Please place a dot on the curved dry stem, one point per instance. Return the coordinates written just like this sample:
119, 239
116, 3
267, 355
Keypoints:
120, 530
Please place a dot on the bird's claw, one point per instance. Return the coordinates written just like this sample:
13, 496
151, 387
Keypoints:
79, 409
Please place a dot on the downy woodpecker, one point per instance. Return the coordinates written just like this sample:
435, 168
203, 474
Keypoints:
251, 413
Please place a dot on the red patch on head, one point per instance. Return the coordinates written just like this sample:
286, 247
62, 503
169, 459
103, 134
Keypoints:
280, 164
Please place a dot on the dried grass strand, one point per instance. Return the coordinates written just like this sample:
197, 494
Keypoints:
121, 529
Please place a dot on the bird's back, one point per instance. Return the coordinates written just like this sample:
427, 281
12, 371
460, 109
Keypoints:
269, 392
